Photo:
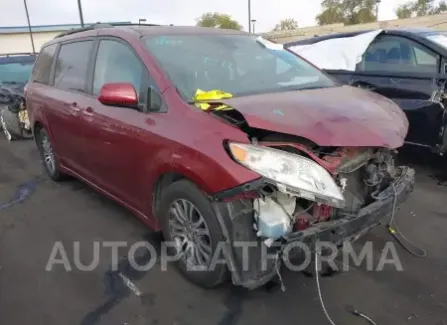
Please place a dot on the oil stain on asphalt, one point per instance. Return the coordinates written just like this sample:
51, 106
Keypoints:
235, 306
116, 289
23, 192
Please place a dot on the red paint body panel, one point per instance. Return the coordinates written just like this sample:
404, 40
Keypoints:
123, 152
338, 116
118, 94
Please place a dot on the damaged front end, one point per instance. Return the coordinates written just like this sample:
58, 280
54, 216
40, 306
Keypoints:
14, 118
307, 194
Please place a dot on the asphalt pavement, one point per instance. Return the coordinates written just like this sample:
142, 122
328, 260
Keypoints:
36, 213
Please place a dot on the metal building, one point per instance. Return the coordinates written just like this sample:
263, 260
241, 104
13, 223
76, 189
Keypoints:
17, 39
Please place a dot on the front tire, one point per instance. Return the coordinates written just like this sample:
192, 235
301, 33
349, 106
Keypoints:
191, 227
49, 159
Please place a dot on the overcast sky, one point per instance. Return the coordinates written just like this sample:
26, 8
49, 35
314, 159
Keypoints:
178, 12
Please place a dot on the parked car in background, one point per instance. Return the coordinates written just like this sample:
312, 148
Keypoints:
408, 66
217, 137
15, 70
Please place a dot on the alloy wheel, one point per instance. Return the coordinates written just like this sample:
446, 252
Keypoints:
48, 154
190, 233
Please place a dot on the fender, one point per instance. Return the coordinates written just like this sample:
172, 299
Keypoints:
211, 175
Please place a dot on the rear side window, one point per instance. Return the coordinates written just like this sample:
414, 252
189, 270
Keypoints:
71, 66
42, 69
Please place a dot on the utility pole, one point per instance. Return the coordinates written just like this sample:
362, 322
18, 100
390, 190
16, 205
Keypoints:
377, 9
81, 17
249, 16
29, 26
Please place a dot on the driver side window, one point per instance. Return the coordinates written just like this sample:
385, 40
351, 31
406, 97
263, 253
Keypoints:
115, 62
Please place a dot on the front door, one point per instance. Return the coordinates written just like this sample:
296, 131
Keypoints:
119, 138
403, 70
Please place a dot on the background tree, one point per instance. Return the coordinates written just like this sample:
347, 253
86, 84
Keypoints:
348, 12
218, 20
420, 8
286, 24
404, 11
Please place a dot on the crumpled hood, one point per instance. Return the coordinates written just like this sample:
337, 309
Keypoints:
337, 116
7, 91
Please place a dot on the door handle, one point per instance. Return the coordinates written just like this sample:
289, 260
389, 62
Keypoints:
74, 106
396, 82
88, 111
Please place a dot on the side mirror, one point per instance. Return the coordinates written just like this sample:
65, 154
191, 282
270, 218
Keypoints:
154, 100
118, 94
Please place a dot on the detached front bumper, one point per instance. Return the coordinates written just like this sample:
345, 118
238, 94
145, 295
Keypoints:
249, 266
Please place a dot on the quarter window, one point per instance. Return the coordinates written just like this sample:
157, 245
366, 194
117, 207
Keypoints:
42, 69
72, 65
398, 54
116, 62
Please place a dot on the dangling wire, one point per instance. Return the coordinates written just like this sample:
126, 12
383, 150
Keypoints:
394, 230
392, 227
320, 296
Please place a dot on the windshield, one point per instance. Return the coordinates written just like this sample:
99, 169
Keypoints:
439, 38
237, 64
15, 71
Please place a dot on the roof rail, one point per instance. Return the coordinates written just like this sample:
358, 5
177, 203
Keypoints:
133, 24
101, 25
17, 54
84, 29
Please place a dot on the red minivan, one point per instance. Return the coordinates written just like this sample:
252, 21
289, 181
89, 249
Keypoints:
229, 144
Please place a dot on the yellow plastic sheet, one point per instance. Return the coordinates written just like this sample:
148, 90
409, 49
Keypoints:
23, 118
202, 97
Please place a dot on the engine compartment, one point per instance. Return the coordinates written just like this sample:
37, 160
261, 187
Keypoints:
360, 173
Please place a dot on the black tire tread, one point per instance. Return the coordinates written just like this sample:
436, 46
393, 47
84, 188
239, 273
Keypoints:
188, 190
57, 175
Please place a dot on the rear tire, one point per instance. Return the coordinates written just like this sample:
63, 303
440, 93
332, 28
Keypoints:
49, 158
198, 227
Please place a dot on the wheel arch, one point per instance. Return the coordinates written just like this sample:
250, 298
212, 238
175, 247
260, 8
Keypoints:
162, 183
37, 126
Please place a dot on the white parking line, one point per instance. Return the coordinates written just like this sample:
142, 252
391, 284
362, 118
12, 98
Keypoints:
130, 285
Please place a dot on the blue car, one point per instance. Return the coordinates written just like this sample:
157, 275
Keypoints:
15, 70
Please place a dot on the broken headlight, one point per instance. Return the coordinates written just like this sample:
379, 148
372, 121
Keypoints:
292, 173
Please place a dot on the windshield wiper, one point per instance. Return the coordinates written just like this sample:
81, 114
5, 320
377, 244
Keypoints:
312, 87
10, 82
